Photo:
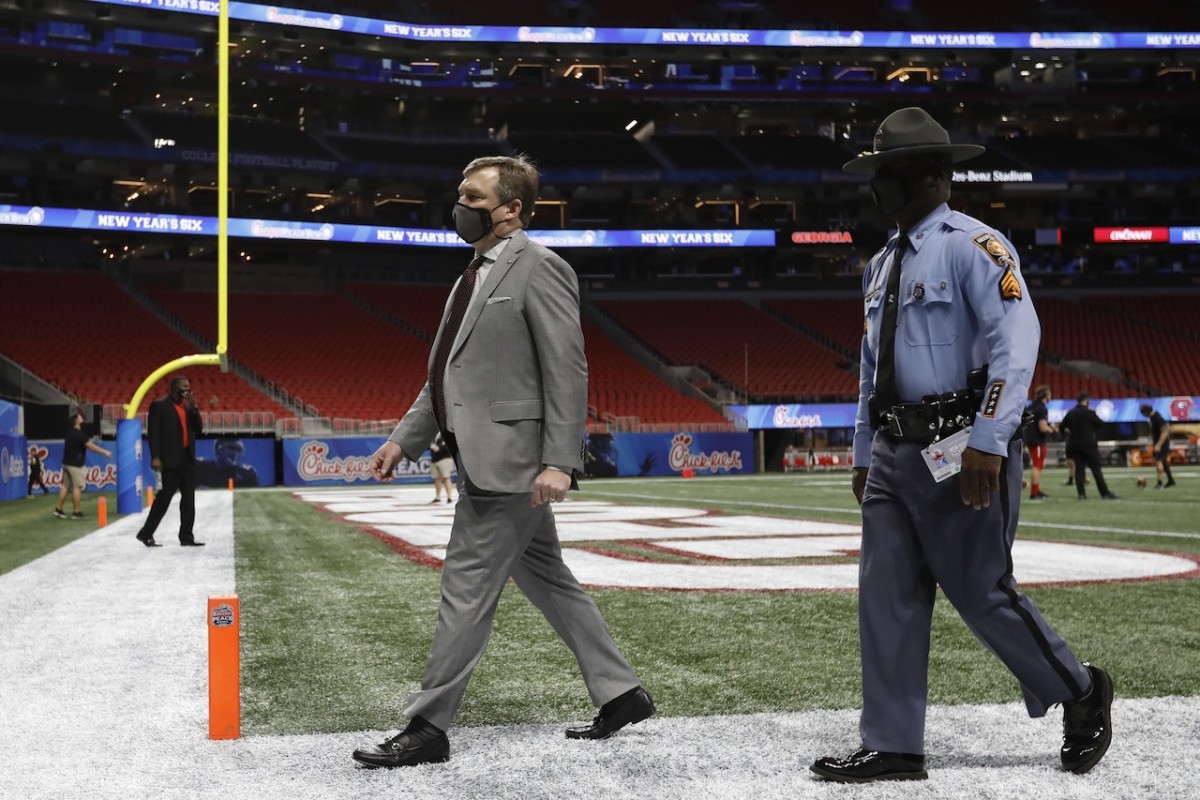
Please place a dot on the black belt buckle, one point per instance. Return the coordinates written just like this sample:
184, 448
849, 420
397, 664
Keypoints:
910, 423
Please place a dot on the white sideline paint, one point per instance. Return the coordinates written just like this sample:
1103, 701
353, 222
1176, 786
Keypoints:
103, 696
405, 513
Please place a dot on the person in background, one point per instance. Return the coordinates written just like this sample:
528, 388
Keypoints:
172, 428
35, 472
76, 443
1036, 432
943, 298
441, 467
1081, 426
1160, 443
507, 389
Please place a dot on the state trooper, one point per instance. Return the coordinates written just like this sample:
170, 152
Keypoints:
949, 347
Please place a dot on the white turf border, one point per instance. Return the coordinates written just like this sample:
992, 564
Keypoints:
103, 696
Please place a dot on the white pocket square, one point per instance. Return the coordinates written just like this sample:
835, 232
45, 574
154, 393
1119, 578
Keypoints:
491, 300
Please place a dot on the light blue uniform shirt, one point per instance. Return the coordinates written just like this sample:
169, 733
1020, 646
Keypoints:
964, 304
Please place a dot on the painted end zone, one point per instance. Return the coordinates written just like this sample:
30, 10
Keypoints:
659, 547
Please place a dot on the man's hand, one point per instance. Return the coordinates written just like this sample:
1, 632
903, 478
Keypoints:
859, 483
980, 476
385, 460
156, 464
550, 487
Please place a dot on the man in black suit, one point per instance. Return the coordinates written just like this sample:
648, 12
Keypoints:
1081, 425
172, 429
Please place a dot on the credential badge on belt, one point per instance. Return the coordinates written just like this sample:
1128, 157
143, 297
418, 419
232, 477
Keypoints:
943, 458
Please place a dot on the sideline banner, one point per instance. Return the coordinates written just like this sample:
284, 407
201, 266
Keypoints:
10, 418
784, 415
610, 455
14, 470
249, 461
253, 466
343, 462
100, 473
1182, 408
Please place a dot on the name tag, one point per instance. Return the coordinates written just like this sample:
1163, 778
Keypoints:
943, 458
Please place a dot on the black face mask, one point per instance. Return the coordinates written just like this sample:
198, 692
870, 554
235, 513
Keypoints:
892, 192
472, 224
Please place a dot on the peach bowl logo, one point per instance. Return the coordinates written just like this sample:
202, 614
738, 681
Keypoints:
222, 616
672, 548
34, 216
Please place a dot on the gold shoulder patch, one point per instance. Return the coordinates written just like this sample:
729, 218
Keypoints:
995, 249
1010, 287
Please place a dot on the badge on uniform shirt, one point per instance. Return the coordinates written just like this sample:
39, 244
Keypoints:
990, 243
1010, 287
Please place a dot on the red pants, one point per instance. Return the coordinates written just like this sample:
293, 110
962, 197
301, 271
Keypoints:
1037, 455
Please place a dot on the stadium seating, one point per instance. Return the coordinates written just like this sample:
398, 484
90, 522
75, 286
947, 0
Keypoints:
694, 151
1168, 363
618, 385
839, 319
739, 345
323, 350
245, 135
81, 332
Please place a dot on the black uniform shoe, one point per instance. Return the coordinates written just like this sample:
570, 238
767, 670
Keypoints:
148, 540
419, 743
1087, 724
627, 709
1109, 496
864, 766
1170, 483
191, 543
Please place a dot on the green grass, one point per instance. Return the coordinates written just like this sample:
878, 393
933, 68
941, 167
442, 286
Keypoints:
337, 626
29, 529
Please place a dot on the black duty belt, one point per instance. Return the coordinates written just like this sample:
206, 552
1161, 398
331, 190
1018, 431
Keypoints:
935, 417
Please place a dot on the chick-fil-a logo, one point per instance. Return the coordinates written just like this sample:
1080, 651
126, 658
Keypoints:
315, 465
97, 477
784, 419
682, 457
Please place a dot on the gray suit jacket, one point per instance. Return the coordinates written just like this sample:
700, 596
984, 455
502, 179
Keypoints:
516, 380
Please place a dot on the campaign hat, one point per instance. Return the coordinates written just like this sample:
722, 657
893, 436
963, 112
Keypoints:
909, 132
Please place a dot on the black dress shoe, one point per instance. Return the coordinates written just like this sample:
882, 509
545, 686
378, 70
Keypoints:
627, 709
1087, 724
148, 540
191, 543
864, 766
419, 743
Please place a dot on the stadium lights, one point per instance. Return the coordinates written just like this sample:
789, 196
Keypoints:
632, 124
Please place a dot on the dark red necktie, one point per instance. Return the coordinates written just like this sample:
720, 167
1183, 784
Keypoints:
886, 392
458, 310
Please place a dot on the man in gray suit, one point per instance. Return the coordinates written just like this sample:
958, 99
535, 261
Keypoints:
507, 389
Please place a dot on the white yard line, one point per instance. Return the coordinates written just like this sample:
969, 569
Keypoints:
103, 696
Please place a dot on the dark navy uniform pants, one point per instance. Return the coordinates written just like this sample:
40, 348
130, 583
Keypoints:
918, 535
